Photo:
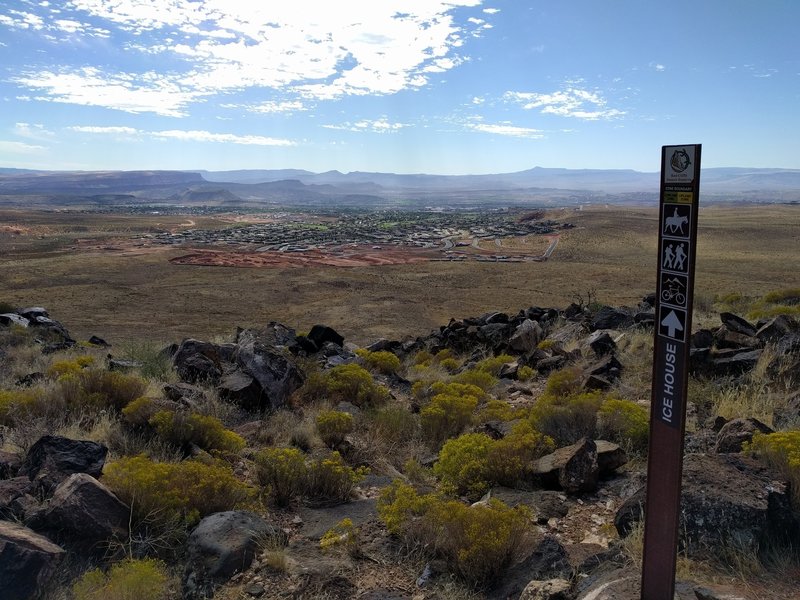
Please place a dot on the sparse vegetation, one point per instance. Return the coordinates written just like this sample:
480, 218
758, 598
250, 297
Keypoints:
143, 579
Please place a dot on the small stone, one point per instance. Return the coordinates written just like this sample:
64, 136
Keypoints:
254, 589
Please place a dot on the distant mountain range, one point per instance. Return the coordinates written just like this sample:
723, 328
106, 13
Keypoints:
298, 188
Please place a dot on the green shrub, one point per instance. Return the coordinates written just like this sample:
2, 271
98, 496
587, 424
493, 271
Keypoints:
481, 379
69, 367
462, 464
526, 373
333, 426
330, 480
21, 405
99, 389
162, 493
781, 450
350, 383
154, 363
493, 364
144, 579
625, 423
343, 534
287, 474
496, 410
510, 458
477, 542
446, 416
472, 463
449, 364
423, 358
382, 361
785, 296
182, 428
283, 472
567, 419
564, 382
394, 424
139, 412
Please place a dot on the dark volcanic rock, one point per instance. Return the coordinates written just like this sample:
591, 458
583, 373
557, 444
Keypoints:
220, 546
574, 468
526, 336
610, 318
321, 334
548, 560
197, 361
84, 508
735, 323
52, 459
726, 498
27, 560
736, 432
601, 343
277, 375
775, 329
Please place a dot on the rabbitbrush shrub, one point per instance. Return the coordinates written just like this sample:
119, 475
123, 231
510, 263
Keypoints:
333, 426
182, 428
624, 422
472, 463
350, 383
160, 492
144, 579
477, 542
381, 361
781, 450
100, 389
446, 415
287, 474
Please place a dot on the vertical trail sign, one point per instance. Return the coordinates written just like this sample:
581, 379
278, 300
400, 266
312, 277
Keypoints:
677, 248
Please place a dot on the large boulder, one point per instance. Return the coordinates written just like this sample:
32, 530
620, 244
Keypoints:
14, 495
526, 336
54, 458
573, 468
736, 323
220, 546
609, 317
726, 499
196, 361
84, 508
322, 334
274, 371
736, 432
27, 560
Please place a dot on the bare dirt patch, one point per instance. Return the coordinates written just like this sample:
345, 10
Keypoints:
350, 257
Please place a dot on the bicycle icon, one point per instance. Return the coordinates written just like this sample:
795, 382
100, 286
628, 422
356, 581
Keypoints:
673, 294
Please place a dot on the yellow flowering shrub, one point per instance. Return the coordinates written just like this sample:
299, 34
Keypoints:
333, 426
381, 361
624, 422
167, 492
144, 579
782, 451
478, 542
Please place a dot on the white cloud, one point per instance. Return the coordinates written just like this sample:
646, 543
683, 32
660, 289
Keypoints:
191, 135
207, 136
112, 130
20, 148
34, 131
491, 11
271, 106
304, 48
570, 102
382, 125
506, 129
133, 93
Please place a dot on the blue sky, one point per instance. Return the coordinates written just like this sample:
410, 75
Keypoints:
431, 86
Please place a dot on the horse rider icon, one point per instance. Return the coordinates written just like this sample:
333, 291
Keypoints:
675, 223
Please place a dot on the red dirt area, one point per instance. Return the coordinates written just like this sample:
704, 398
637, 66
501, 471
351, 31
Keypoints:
348, 257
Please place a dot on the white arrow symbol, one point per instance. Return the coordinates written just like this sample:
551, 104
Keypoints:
672, 323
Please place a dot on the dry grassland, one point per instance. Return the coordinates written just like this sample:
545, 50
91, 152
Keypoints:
75, 265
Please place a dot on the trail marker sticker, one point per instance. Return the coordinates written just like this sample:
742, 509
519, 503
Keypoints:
677, 241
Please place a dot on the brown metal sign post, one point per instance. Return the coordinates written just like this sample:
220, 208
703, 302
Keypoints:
677, 248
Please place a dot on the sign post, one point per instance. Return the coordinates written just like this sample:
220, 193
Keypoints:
677, 248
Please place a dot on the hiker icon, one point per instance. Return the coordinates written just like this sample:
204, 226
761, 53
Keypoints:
675, 256
680, 258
